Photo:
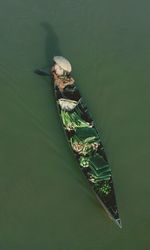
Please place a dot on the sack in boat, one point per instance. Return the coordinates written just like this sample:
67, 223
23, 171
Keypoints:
66, 104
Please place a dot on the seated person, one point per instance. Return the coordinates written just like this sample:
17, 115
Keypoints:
61, 77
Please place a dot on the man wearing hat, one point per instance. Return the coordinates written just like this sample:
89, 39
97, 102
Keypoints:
61, 73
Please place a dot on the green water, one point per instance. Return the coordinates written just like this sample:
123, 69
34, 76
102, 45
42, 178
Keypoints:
45, 203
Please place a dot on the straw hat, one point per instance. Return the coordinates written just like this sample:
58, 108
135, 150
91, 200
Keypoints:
63, 63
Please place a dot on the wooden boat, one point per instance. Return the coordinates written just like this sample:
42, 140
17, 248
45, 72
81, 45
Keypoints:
83, 136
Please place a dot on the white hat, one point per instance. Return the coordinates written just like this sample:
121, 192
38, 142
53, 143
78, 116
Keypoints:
63, 63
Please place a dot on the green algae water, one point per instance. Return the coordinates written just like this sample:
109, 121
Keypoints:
45, 201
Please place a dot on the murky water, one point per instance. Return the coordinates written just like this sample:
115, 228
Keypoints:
45, 201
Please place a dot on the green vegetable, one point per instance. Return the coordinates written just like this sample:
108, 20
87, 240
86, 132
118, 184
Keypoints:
71, 120
84, 162
105, 189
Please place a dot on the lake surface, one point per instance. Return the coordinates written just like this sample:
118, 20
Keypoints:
45, 201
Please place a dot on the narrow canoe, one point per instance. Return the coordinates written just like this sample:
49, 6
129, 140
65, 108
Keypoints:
86, 144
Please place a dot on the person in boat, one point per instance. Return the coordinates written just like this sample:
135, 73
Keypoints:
61, 73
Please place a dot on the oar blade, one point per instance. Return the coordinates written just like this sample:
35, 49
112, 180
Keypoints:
42, 72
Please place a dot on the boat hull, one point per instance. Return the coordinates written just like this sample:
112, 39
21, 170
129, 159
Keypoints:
86, 144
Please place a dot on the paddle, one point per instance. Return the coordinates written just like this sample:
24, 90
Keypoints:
42, 72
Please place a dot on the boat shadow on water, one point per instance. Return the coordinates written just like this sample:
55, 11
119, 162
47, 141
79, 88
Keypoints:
52, 47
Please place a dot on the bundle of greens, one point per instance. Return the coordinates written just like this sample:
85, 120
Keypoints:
71, 120
99, 169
